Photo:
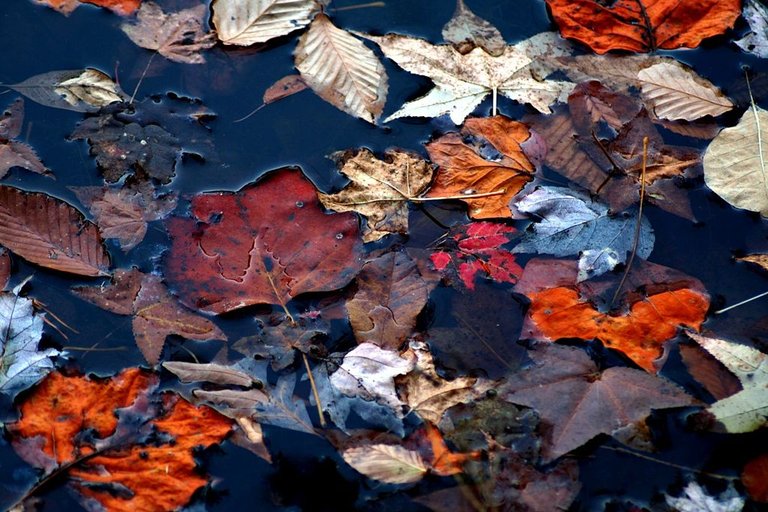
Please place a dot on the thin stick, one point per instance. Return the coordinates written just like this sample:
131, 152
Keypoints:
141, 78
670, 464
495, 99
638, 225
250, 114
741, 303
358, 6
314, 390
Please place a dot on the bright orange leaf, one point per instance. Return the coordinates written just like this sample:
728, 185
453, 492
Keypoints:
444, 462
121, 7
643, 25
463, 170
158, 476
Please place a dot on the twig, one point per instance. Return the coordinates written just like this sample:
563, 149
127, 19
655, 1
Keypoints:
141, 78
358, 6
746, 301
670, 464
314, 390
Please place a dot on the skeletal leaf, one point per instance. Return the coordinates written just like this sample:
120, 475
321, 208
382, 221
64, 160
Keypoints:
466, 30
756, 42
245, 22
697, 499
82, 90
391, 464
341, 70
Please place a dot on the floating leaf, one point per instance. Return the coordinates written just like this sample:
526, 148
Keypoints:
12, 152
245, 22
220, 374
391, 464
121, 7
82, 90
466, 31
280, 341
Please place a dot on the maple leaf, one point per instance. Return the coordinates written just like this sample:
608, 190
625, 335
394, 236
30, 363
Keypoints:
467, 31
578, 401
643, 25
280, 341
262, 245
156, 314
462, 81
379, 189
12, 152
99, 432
177, 36
469, 165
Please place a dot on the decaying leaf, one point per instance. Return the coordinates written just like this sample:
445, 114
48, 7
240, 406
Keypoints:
379, 189
5, 268
177, 36
82, 90
286, 86
391, 464
571, 223
709, 372
121, 7
466, 31
342, 70
735, 162
265, 244
101, 428
245, 22
643, 25
696, 499
221, 374
469, 165
14, 153
156, 314
50, 233
577, 401
279, 341
462, 81
755, 42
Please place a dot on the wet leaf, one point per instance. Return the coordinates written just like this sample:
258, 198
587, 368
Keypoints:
50, 233
262, 245
390, 295
121, 7
709, 372
486, 157
286, 86
279, 342
245, 22
391, 464
342, 70
756, 41
643, 25
82, 90
754, 477
156, 314
14, 153
220, 374
100, 427
177, 36
577, 401
572, 224
466, 31
476, 249
462, 81
379, 189
695, 499
5, 268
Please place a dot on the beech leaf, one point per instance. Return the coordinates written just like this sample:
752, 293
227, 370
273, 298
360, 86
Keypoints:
245, 22
391, 464
82, 90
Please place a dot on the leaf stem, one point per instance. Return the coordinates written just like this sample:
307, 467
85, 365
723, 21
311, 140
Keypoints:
670, 464
314, 390
746, 301
759, 135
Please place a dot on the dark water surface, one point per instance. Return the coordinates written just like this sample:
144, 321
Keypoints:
301, 130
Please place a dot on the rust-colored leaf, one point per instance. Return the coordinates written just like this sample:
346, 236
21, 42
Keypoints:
12, 152
643, 25
286, 86
114, 466
121, 7
264, 244
5, 268
473, 167
709, 372
754, 476
51, 233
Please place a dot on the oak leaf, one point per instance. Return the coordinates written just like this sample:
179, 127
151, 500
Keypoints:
14, 153
245, 22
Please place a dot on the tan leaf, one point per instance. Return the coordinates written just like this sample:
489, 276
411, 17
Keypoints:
177, 36
466, 30
386, 463
245, 22
82, 90
341, 70
223, 375
380, 189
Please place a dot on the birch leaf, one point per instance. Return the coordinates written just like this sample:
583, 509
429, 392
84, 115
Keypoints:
341, 70
462, 81
245, 22
735, 165
756, 42
466, 31
386, 463
81, 90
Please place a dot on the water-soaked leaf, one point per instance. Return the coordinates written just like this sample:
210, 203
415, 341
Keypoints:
571, 223
695, 499
50, 233
279, 342
81, 90
643, 25
101, 429
220, 374
475, 249
756, 41
379, 189
177, 36
390, 295
577, 401
487, 157
386, 463
265, 244
156, 313
709, 372
121, 7
245, 22
462, 81
14, 153
466, 31
342, 70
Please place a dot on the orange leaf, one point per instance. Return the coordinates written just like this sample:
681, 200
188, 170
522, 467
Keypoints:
463, 170
121, 7
444, 462
754, 476
158, 476
643, 25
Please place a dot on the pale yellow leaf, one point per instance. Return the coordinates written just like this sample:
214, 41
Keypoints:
386, 463
245, 22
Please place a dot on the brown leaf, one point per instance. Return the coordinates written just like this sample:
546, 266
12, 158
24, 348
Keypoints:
709, 372
5, 268
754, 476
280, 341
286, 86
121, 7
466, 31
12, 152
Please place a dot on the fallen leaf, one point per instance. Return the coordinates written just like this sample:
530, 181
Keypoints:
657, 301
80, 422
643, 25
156, 314
466, 31
379, 189
756, 41
754, 477
223, 375
462, 81
245, 22
5, 268
695, 499
50, 233
390, 295
121, 7
577, 401
81, 90
264, 244
391, 464
280, 341
177, 36
443, 461
123, 213
476, 249
734, 162
709, 372
487, 157
286, 86
570, 223
341, 70
12, 152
